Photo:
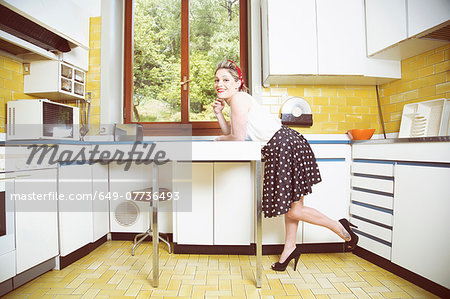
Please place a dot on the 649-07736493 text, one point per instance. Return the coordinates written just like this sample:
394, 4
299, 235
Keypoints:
97, 195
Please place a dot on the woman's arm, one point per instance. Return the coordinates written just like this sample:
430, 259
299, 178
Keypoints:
224, 125
240, 106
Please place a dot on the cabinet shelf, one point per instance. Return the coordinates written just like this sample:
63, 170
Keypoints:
55, 80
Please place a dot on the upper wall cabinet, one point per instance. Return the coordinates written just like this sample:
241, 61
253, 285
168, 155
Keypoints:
340, 50
391, 30
319, 42
54, 80
289, 37
399, 29
424, 15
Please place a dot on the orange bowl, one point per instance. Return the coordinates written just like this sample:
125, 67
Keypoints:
360, 134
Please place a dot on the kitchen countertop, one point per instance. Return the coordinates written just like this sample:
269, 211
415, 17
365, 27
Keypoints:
403, 140
311, 139
434, 151
106, 142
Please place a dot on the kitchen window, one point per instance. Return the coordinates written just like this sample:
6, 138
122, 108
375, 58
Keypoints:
172, 48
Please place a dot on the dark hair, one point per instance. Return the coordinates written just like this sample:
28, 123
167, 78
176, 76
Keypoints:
234, 70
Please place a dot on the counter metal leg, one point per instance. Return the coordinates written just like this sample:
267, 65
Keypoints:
154, 219
258, 226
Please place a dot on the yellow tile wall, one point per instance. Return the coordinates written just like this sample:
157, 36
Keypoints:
93, 75
336, 108
424, 77
11, 85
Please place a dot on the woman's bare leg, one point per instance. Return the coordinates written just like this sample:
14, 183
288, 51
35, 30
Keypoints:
291, 227
299, 212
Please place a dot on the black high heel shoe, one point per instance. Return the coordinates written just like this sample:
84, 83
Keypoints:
282, 266
349, 245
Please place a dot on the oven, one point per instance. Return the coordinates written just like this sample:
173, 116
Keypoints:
7, 235
19, 249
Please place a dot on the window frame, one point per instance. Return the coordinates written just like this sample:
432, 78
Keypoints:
174, 128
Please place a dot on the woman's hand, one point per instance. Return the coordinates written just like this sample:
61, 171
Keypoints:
218, 106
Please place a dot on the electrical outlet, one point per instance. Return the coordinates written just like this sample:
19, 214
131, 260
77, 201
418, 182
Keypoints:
103, 131
26, 68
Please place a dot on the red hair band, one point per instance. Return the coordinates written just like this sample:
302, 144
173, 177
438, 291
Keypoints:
239, 73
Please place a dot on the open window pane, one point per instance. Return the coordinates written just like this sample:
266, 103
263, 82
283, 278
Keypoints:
157, 61
214, 35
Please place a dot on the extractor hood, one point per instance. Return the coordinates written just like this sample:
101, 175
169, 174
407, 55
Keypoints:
441, 33
29, 31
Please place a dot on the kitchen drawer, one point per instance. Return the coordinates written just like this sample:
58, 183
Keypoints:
374, 168
374, 246
378, 200
8, 262
377, 231
381, 185
371, 213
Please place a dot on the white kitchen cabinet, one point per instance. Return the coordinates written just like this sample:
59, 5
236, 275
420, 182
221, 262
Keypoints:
319, 42
75, 207
331, 197
424, 15
131, 216
233, 203
55, 80
273, 231
216, 204
372, 203
402, 213
36, 219
289, 37
222, 211
385, 24
195, 220
395, 28
421, 220
340, 28
126, 215
100, 206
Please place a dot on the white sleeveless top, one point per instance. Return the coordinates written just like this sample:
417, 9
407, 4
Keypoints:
261, 125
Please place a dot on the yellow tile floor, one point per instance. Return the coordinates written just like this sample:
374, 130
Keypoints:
111, 272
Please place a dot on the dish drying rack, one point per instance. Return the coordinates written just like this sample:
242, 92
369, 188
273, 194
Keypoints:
419, 125
425, 119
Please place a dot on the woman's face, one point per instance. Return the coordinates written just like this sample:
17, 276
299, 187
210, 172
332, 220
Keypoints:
225, 85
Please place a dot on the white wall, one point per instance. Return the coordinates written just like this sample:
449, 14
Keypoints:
255, 48
111, 88
92, 7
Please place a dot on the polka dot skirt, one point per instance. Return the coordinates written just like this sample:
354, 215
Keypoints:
290, 171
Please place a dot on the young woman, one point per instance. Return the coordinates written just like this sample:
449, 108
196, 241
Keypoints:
290, 166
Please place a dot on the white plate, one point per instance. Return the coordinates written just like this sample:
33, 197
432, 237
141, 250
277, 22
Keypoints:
296, 106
